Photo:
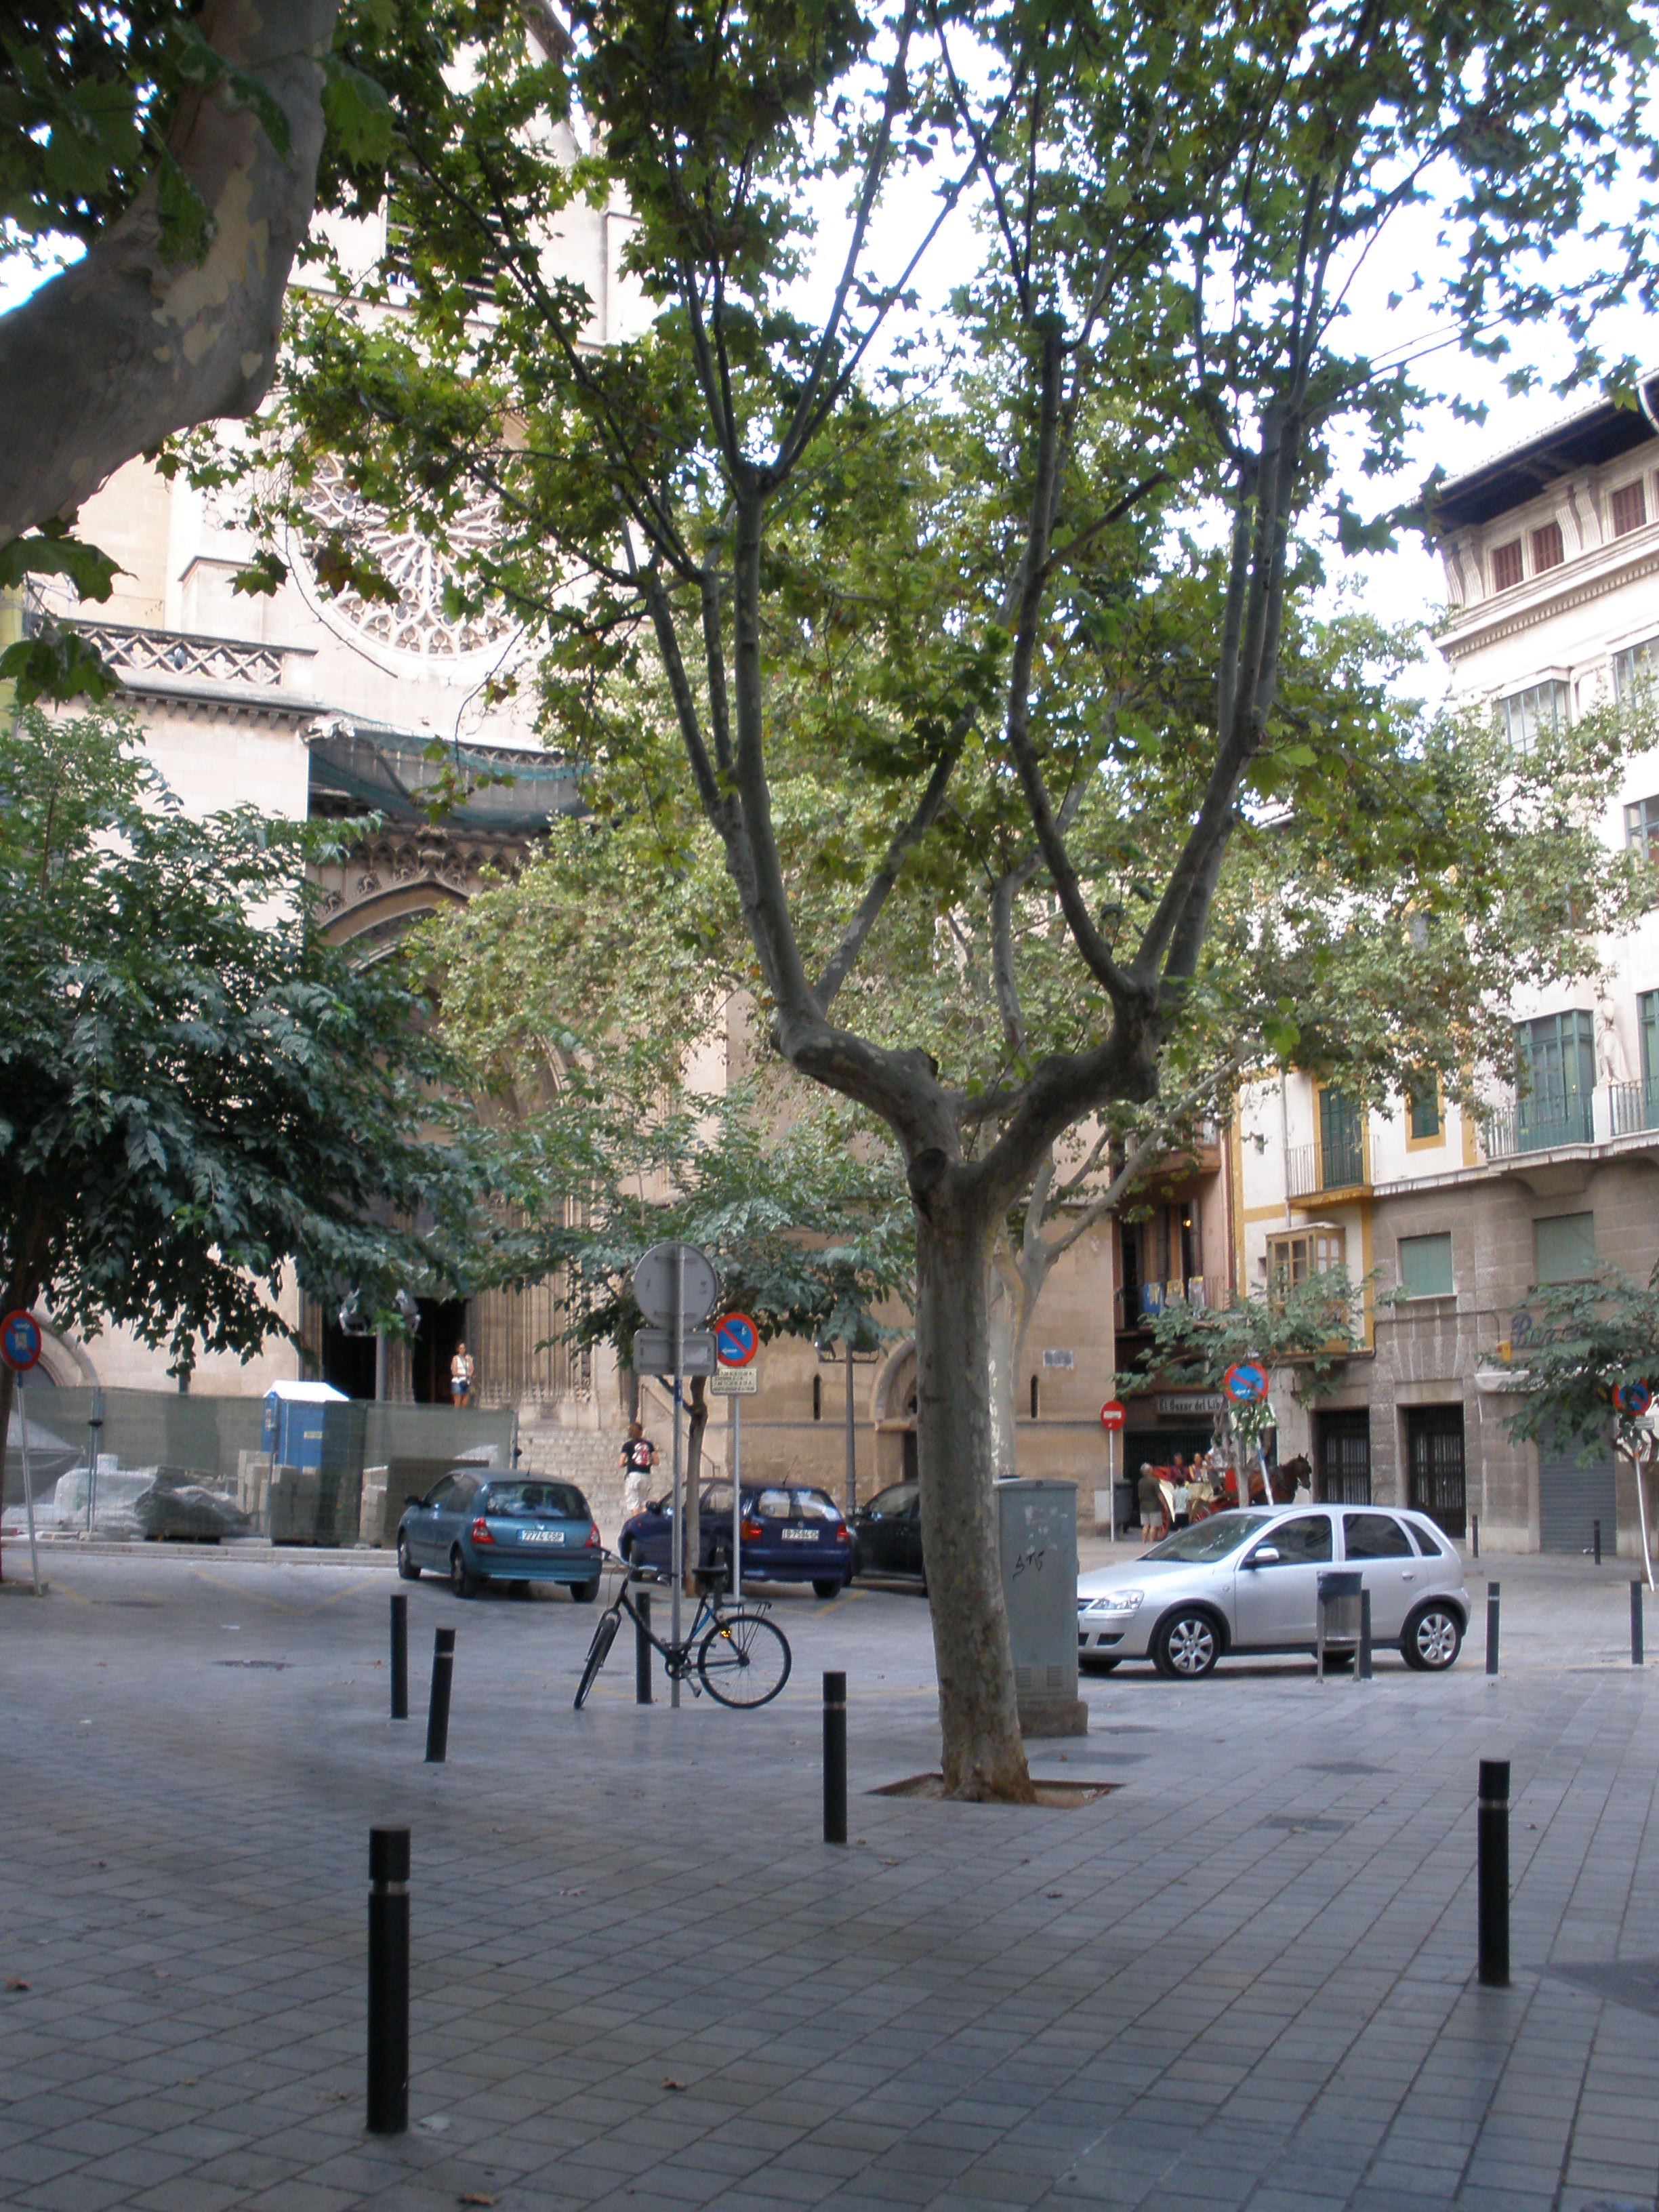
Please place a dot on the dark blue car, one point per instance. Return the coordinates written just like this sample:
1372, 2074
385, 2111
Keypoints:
478, 1527
789, 1534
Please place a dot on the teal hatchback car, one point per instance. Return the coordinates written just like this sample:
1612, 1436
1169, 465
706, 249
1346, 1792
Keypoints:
477, 1528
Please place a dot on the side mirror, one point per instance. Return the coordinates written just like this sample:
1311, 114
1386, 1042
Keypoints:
1265, 1555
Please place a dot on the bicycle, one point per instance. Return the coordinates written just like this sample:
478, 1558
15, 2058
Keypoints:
742, 1659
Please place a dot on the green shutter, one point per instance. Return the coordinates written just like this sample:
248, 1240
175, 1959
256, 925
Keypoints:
1425, 1265
1565, 1248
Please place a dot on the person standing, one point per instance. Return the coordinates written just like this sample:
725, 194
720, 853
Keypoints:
461, 1373
639, 1457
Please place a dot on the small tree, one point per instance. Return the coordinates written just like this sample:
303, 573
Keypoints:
1304, 1330
197, 1090
1585, 1359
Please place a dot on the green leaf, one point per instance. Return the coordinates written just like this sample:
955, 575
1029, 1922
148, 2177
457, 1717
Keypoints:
358, 111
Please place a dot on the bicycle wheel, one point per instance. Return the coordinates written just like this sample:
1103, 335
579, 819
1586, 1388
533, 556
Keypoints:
744, 1660
598, 1652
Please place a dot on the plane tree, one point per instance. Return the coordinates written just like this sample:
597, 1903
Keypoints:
1172, 204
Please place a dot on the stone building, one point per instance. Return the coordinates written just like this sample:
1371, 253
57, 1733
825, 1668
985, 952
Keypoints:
1552, 561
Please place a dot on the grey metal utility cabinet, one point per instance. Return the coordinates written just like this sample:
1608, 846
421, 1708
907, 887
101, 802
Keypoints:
1037, 1522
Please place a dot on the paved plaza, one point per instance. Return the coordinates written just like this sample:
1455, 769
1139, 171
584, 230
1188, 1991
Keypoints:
1242, 1979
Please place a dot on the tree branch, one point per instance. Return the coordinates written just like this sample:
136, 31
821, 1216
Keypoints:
905, 841
127, 346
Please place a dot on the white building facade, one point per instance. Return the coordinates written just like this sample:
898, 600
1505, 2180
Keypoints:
1551, 562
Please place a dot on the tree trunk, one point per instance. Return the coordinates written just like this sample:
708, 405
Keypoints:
979, 1718
692, 1503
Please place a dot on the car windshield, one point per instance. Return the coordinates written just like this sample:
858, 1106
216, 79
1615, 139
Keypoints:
1214, 1539
535, 1501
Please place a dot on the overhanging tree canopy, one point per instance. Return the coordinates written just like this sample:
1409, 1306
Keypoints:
1174, 198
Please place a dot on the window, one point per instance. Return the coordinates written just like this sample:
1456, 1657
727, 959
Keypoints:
1306, 1541
1547, 547
717, 1499
1632, 669
1642, 828
773, 1505
1341, 1141
1528, 715
814, 1505
1293, 1259
1506, 566
1555, 1080
1427, 1544
1425, 1265
533, 1501
1374, 1536
1647, 1022
1565, 1245
1630, 508
1423, 1105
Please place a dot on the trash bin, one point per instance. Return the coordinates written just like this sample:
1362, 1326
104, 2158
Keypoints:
1339, 1595
1037, 1522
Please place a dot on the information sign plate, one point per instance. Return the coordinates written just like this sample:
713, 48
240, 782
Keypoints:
735, 1382
653, 1352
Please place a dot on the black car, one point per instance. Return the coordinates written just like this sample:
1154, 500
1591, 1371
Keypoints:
887, 1534
789, 1534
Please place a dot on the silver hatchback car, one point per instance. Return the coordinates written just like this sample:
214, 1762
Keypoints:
1249, 1582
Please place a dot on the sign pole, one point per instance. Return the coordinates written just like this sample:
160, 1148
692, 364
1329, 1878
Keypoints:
28, 1490
679, 1487
737, 1500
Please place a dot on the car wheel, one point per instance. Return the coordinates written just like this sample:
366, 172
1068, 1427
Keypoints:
1433, 1639
585, 1593
462, 1580
1186, 1646
825, 1589
407, 1566
1097, 1665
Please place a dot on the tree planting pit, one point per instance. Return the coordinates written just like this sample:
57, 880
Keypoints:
1051, 1797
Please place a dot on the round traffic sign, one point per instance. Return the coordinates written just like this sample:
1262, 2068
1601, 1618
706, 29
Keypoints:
1112, 1415
1632, 1399
737, 1340
671, 1271
1245, 1381
19, 1341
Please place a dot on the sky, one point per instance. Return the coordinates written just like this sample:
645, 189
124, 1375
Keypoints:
1404, 587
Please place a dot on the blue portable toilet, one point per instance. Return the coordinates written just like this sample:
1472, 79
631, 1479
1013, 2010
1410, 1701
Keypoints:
296, 1418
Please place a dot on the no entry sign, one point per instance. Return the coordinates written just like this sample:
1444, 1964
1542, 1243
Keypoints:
736, 1341
1112, 1415
1247, 1380
19, 1341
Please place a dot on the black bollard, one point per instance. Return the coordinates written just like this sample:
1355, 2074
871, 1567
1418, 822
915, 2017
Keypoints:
1363, 1664
388, 1981
834, 1759
1492, 1834
643, 1651
1596, 1540
437, 1717
400, 1657
1491, 1628
1636, 1624
1475, 1535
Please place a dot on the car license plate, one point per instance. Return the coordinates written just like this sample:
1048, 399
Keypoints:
542, 1536
798, 1535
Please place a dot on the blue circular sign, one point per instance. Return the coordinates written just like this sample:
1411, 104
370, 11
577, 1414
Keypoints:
1632, 1399
736, 1341
19, 1341
1244, 1382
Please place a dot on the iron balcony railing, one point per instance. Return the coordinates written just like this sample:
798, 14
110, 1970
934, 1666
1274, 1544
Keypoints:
1201, 1292
1316, 1168
1634, 1106
1539, 1127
